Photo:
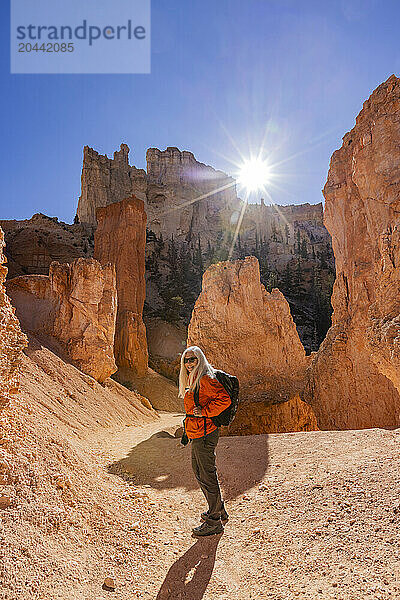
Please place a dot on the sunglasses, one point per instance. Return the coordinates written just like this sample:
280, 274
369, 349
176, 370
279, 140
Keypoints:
191, 359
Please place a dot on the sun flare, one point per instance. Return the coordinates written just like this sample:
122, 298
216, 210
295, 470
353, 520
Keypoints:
254, 174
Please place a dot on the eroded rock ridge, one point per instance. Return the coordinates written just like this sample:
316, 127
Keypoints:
354, 378
12, 340
74, 308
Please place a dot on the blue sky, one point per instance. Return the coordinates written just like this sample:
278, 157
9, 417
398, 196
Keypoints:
226, 75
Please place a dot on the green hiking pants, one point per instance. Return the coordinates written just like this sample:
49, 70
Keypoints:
205, 471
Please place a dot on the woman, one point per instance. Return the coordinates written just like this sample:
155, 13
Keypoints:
197, 373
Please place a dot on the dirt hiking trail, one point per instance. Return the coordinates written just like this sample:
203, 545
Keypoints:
95, 484
312, 515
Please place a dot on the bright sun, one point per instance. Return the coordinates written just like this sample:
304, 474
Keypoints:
254, 174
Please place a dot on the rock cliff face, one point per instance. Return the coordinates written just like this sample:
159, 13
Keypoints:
383, 331
192, 212
12, 340
283, 229
165, 342
190, 200
173, 180
74, 307
32, 244
354, 377
120, 239
250, 333
187, 199
106, 180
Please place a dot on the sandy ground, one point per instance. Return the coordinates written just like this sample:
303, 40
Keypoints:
312, 515
99, 486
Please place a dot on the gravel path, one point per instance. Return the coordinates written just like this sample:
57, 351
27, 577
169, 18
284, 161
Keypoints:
312, 515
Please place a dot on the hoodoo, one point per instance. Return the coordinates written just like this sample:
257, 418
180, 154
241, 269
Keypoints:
250, 333
120, 239
74, 308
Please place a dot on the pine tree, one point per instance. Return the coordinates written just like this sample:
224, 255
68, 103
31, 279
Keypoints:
272, 280
323, 263
298, 242
198, 259
303, 249
322, 307
172, 254
298, 275
287, 233
287, 284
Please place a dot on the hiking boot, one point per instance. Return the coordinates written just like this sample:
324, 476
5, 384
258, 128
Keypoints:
224, 516
208, 529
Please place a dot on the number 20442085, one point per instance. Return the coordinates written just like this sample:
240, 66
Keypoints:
49, 47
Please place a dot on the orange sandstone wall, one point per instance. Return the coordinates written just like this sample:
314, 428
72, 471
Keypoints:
353, 380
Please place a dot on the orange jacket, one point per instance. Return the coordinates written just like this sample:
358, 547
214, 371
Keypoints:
213, 399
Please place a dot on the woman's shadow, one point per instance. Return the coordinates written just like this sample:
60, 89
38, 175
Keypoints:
163, 463
189, 576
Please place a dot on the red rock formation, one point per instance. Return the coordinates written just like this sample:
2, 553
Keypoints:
12, 340
120, 238
263, 417
354, 376
250, 333
172, 181
74, 307
33, 244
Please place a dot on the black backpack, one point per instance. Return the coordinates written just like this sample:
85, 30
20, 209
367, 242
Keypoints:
231, 385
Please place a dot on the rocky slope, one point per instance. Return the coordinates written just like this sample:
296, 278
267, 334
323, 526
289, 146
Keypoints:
59, 509
75, 307
353, 379
250, 333
12, 340
101, 489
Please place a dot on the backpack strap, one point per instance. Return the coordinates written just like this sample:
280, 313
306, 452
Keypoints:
196, 395
197, 403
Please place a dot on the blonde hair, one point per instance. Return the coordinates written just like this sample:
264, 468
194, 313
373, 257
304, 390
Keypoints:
191, 380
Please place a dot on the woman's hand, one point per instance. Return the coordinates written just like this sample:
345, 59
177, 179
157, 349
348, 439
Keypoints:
197, 411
